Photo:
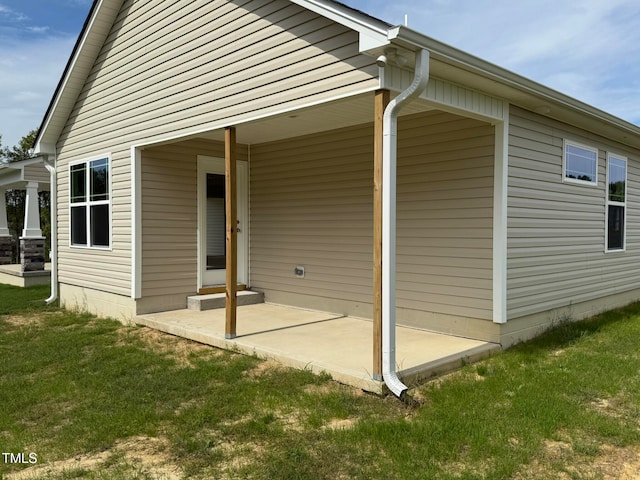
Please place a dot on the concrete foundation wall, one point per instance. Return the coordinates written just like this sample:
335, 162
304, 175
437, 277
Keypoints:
99, 303
526, 328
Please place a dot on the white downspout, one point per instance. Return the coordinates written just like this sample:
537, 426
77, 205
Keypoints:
389, 160
53, 215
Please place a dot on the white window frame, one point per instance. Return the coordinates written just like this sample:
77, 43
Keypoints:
617, 204
89, 203
567, 143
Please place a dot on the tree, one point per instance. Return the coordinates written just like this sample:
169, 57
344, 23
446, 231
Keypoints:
23, 150
2, 159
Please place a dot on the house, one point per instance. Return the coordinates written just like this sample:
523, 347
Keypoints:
30, 175
500, 205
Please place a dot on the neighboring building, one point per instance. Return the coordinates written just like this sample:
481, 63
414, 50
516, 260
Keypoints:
515, 203
28, 242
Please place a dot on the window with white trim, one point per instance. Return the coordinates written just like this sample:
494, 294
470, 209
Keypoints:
616, 201
580, 163
90, 203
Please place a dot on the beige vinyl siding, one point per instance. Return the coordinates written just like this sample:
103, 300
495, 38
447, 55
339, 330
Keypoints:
170, 69
556, 230
100, 269
169, 215
174, 68
36, 173
311, 205
445, 215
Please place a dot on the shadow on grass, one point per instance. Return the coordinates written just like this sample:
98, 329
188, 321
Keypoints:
22, 300
566, 331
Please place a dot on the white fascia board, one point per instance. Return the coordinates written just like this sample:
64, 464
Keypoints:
21, 163
373, 32
412, 39
11, 179
86, 50
44, 148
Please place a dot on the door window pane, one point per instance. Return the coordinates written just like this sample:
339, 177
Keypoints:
216, 222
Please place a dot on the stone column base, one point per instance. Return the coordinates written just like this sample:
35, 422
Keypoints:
32, 254
5, 250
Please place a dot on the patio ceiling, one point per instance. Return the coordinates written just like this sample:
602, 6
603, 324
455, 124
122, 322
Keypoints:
341, 113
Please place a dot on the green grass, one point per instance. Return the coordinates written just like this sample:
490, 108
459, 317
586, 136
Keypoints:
134, 404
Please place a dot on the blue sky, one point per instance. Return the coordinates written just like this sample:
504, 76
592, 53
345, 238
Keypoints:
36, 39
588, 49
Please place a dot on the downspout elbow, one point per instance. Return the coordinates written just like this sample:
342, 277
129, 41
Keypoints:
389, 161
53, 214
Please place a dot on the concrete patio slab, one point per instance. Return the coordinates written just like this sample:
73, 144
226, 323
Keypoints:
321, 342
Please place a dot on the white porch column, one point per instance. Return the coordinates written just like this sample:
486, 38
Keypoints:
4, 225
5, 237
32, 241
32, 213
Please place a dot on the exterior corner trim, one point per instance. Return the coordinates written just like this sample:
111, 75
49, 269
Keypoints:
136, 223
500, 216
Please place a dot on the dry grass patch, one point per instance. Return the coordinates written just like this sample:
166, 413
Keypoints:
559, 460
340, 424
238, 455
140, 456
613, 407
265, 367
179, 349
56, 469
32, 319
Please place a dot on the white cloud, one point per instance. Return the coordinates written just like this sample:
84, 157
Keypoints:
38, 29
29, 73
11, 14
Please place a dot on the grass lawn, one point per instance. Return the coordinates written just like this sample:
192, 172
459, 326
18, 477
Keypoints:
94, 399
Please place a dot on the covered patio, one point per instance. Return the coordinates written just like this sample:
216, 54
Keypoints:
321, 342
312, 238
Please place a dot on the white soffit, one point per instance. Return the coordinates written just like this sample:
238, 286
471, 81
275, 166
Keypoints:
465, 69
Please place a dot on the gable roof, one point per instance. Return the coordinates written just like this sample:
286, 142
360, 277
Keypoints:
374, 34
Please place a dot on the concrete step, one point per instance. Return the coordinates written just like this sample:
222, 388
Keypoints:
217, 300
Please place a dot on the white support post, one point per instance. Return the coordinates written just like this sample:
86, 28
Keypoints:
4, 225
5, 237
500, 198
32, 213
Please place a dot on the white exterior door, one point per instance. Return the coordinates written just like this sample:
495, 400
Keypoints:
212, 221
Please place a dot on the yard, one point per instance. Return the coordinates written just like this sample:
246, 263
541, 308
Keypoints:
83, 397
